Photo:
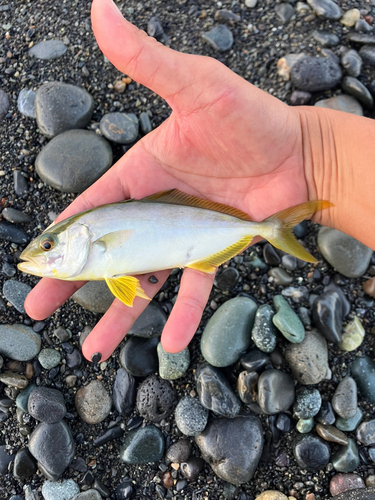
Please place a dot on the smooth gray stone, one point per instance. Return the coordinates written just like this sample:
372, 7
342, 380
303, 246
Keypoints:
19, 342
144, 445
343, 102
23, 397
351, 61
179, 451
4, 104
26, 103
16, 292
93, 403
60, 107
49, 358
326, 8
53, 447
365, 433
357, 494
145, 123
354, 87
311, 452
124, 392
214, 391
284, 11
173, 365
190, 416
74, 160
287, 321
228, 332
367, 53
232, 447
349, 424
50, 49
309, 359
46, 405
94, 296
24, 465
20, 183
121, 128
227, 278
280, 276
150, 323
264, 334
15, 216
361, 38
227, 15
363, 372
65, 490
326, 38
344, 400
220, 38
308, 402
275, 391
12, 233
316, 74
346, 459
346, 254
363, 26
88, 495
305, 425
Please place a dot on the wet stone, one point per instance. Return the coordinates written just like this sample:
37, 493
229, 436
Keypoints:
139, 356
220, 38
113, 433
365, 433
328, 315
342, 102
89, 495
271, 257
358, 494
192, 467
228, 332
305, 425
284, 11
49, 358
172, 365
326, 8
232, 447
289, 262
86, 157
311, 452
307, 403
49, 49
121, 128
5, 460
326, 415
227, 278
22, 399
326, 38
349, 424
363, 372
354, 87
247, 386
315, 74
179, 451
124, 392
47, 405
264, 334
275, 391
94, 296
16, 292
14, 379
144, 445
4, 104
93, 403
214, 391
287, 321
280, 276
344, 400
19, 342
73, 359
343, 482
15, 216
24, 465
254, 360
346, 459
150, 323
190, 416
145, 123
367, 53
330, 433
156, 399
26, 103
351, 61
333, 287
65, 490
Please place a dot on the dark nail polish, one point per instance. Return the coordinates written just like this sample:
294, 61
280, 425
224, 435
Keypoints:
153, 279
96, 357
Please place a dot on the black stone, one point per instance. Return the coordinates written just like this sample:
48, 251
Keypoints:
46, 405
326, 38
5, 460
139, 356
109, 435
179, 452
300, 230
24, 465
12, 233
275, 391
134, 423
20, 183
254, 360
227, 278
311, 452
155, 28
150, 323
283, 422
334, 287
326, 415
363, 372
270, 256
79, 464
124, 490
192, 467
315, 74
367, 54
73, 359
156, 399
328, 315
124, 392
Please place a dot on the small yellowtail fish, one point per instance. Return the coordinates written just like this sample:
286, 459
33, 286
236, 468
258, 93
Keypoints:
166, 230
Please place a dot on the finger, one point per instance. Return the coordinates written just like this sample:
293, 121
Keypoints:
48, 295
119, 318
187, 312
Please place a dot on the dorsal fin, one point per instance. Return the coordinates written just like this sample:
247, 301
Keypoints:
176, 197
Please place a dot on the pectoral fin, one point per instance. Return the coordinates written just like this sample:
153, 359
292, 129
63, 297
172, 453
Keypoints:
114, 240
126, 288
210, 263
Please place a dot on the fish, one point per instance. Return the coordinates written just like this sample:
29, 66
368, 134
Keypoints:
166, 230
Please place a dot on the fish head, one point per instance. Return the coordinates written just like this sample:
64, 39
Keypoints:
61, 251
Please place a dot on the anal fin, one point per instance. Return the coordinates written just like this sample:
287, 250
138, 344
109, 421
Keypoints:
126, 288
210, 263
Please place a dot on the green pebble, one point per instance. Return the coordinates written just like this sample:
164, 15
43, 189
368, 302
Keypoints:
353, 335
287, 321
347, 458
349, 424
144, 445
49, 358
172, 366
23, 397
363, 372
305, 425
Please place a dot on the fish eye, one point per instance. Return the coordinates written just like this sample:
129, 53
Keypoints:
47, 242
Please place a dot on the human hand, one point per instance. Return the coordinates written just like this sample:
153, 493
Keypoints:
225, 140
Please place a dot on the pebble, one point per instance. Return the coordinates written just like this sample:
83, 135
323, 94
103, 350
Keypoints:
354, 87
16, 292
330, 433
220, 38
358, 494
15, 216
349, 424
214, 391
13, 379
53, 447
93, 403
280, 276
351, 61
316, 74
113, 433
353, 335
22, 399
343, 482
341, 102
346, 254
65, 490
350, 18
228, 332
365, 433
94, 296
284, 67
12, 233
124, 392
367, 53
20, 183
346, 459
4, 104
5, 459
190, 416
344, 400
300, 98
124, 490
305, 425
227, 278
90, 495
192, 467
271, 495
150, 323
60, 107
326, 38
86, 157
139, 356
326, 415
369, 287
26, 103
121, 128
232, 447
326, 9
363, 26
284, 11
49, 358
361, 38
19, 342
309, 359
289, 262
363, 372
156, 399
173, 365
287, 321
49, 49
247, 383
307, 403
155, 28
270, 256
328, 315
251, 3
179, 451
275, 391
24, 465
143, 445
145, 123
227, 15
47, 405
311, 452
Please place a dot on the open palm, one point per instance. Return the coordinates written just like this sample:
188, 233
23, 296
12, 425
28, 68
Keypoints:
225, 140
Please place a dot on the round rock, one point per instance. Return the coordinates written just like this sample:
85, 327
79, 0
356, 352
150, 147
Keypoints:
144, 445
139, 356
351, 61
65, 490
156, 399
316, 74
308, 402
365, 433
121, 128
178, 452
275, 391
344, 400
93, 403
172, 365
311, 452
353, 335
343, 482
94, 296
19, 342
46, 405
24, 465
26, 103
220, 38
191, 417
49, 358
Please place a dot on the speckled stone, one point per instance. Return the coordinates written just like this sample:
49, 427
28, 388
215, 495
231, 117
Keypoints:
16, 292
353, 335
49, 358
316, 74
346, 459
19, 342
143, 445
344, 400
343, 482
365, 433
191, 417
264, 334
93, 403
287, 321
65, 490
363, 372
305, 425
307, 403
358, 494
172, 365
46, 405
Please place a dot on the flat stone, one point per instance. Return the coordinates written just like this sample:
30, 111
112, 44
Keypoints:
220, 38
363, 372
350, 17
343, 482
316, 74
24, 465
150, 323
179, 451
344, 400
14, 379
139, 356
15, 216
280, 276
346, 459
287, 321
353, 335
49, 49
349, 424
16, 292
124, 392
144, 445
361, 38
5, 459
66, 490
93, 403
354, 87
326, 8
10, 232
365, 433
326, 38
26, 103
330, 433
247, 384
328, 315
311, 452
94, 296
19, 342
305, 425
156, 399
4, 104
47, 405
284, 11
49, 358
343, 102
351, 61
275, 391
309, 359
367, 53
228, 332
173, 365
326, 414
74, 160
121, 128
307, 403
232, 447
190, 416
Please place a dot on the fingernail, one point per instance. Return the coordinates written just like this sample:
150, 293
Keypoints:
96, 357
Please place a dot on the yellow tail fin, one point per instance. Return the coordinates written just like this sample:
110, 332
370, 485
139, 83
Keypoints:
285, 221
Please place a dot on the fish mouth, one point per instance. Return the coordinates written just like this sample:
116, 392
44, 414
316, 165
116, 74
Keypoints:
31, 265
